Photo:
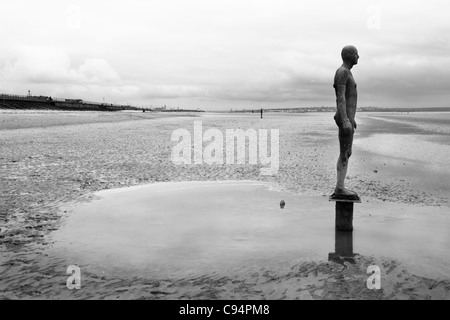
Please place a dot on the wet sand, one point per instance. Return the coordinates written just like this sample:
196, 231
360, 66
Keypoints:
408, 153
22, 119
47, 168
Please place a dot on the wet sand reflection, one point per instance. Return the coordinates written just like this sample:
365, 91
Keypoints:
343, 248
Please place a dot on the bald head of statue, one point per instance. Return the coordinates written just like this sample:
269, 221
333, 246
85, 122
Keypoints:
350, 55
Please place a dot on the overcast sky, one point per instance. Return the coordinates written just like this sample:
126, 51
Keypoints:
222, 54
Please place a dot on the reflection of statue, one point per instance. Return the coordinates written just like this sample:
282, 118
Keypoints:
346, 99
343, 248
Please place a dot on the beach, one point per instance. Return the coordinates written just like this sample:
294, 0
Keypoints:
54, 164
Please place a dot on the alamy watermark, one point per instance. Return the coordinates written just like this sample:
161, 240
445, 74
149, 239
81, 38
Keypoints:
74, 281
188, 152
374, 20
73, 17
374, 281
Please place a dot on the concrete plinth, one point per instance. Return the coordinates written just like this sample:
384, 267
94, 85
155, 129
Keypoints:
344, 213
344, 216
344, 243
343, 251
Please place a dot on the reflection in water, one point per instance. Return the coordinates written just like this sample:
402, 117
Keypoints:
223, 226
343, 248
211, 227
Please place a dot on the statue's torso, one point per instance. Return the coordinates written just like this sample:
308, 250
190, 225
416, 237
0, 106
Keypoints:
351, 95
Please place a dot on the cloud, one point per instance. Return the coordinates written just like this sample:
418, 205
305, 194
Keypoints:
227, 51
50, 71
97, 70
172, 91
53, 66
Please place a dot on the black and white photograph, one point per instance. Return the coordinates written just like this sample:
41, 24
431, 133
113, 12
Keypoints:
228, 151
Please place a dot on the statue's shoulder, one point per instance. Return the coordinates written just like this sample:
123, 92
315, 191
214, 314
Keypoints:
342, 72
341, 77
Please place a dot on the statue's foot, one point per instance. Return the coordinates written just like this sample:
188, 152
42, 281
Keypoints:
344, 194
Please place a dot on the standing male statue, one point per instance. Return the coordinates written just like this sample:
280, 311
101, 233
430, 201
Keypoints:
346, 98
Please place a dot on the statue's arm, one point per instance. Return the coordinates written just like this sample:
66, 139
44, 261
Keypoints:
340, 85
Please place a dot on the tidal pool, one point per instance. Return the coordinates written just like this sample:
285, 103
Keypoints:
179, 229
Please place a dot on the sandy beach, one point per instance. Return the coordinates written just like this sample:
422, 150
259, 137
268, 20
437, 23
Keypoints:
55, 167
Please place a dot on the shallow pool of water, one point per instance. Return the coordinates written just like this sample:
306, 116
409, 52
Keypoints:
186, 228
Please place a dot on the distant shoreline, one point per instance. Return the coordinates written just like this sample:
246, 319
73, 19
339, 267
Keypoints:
333, 109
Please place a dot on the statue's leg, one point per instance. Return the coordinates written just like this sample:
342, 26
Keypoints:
345, 146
